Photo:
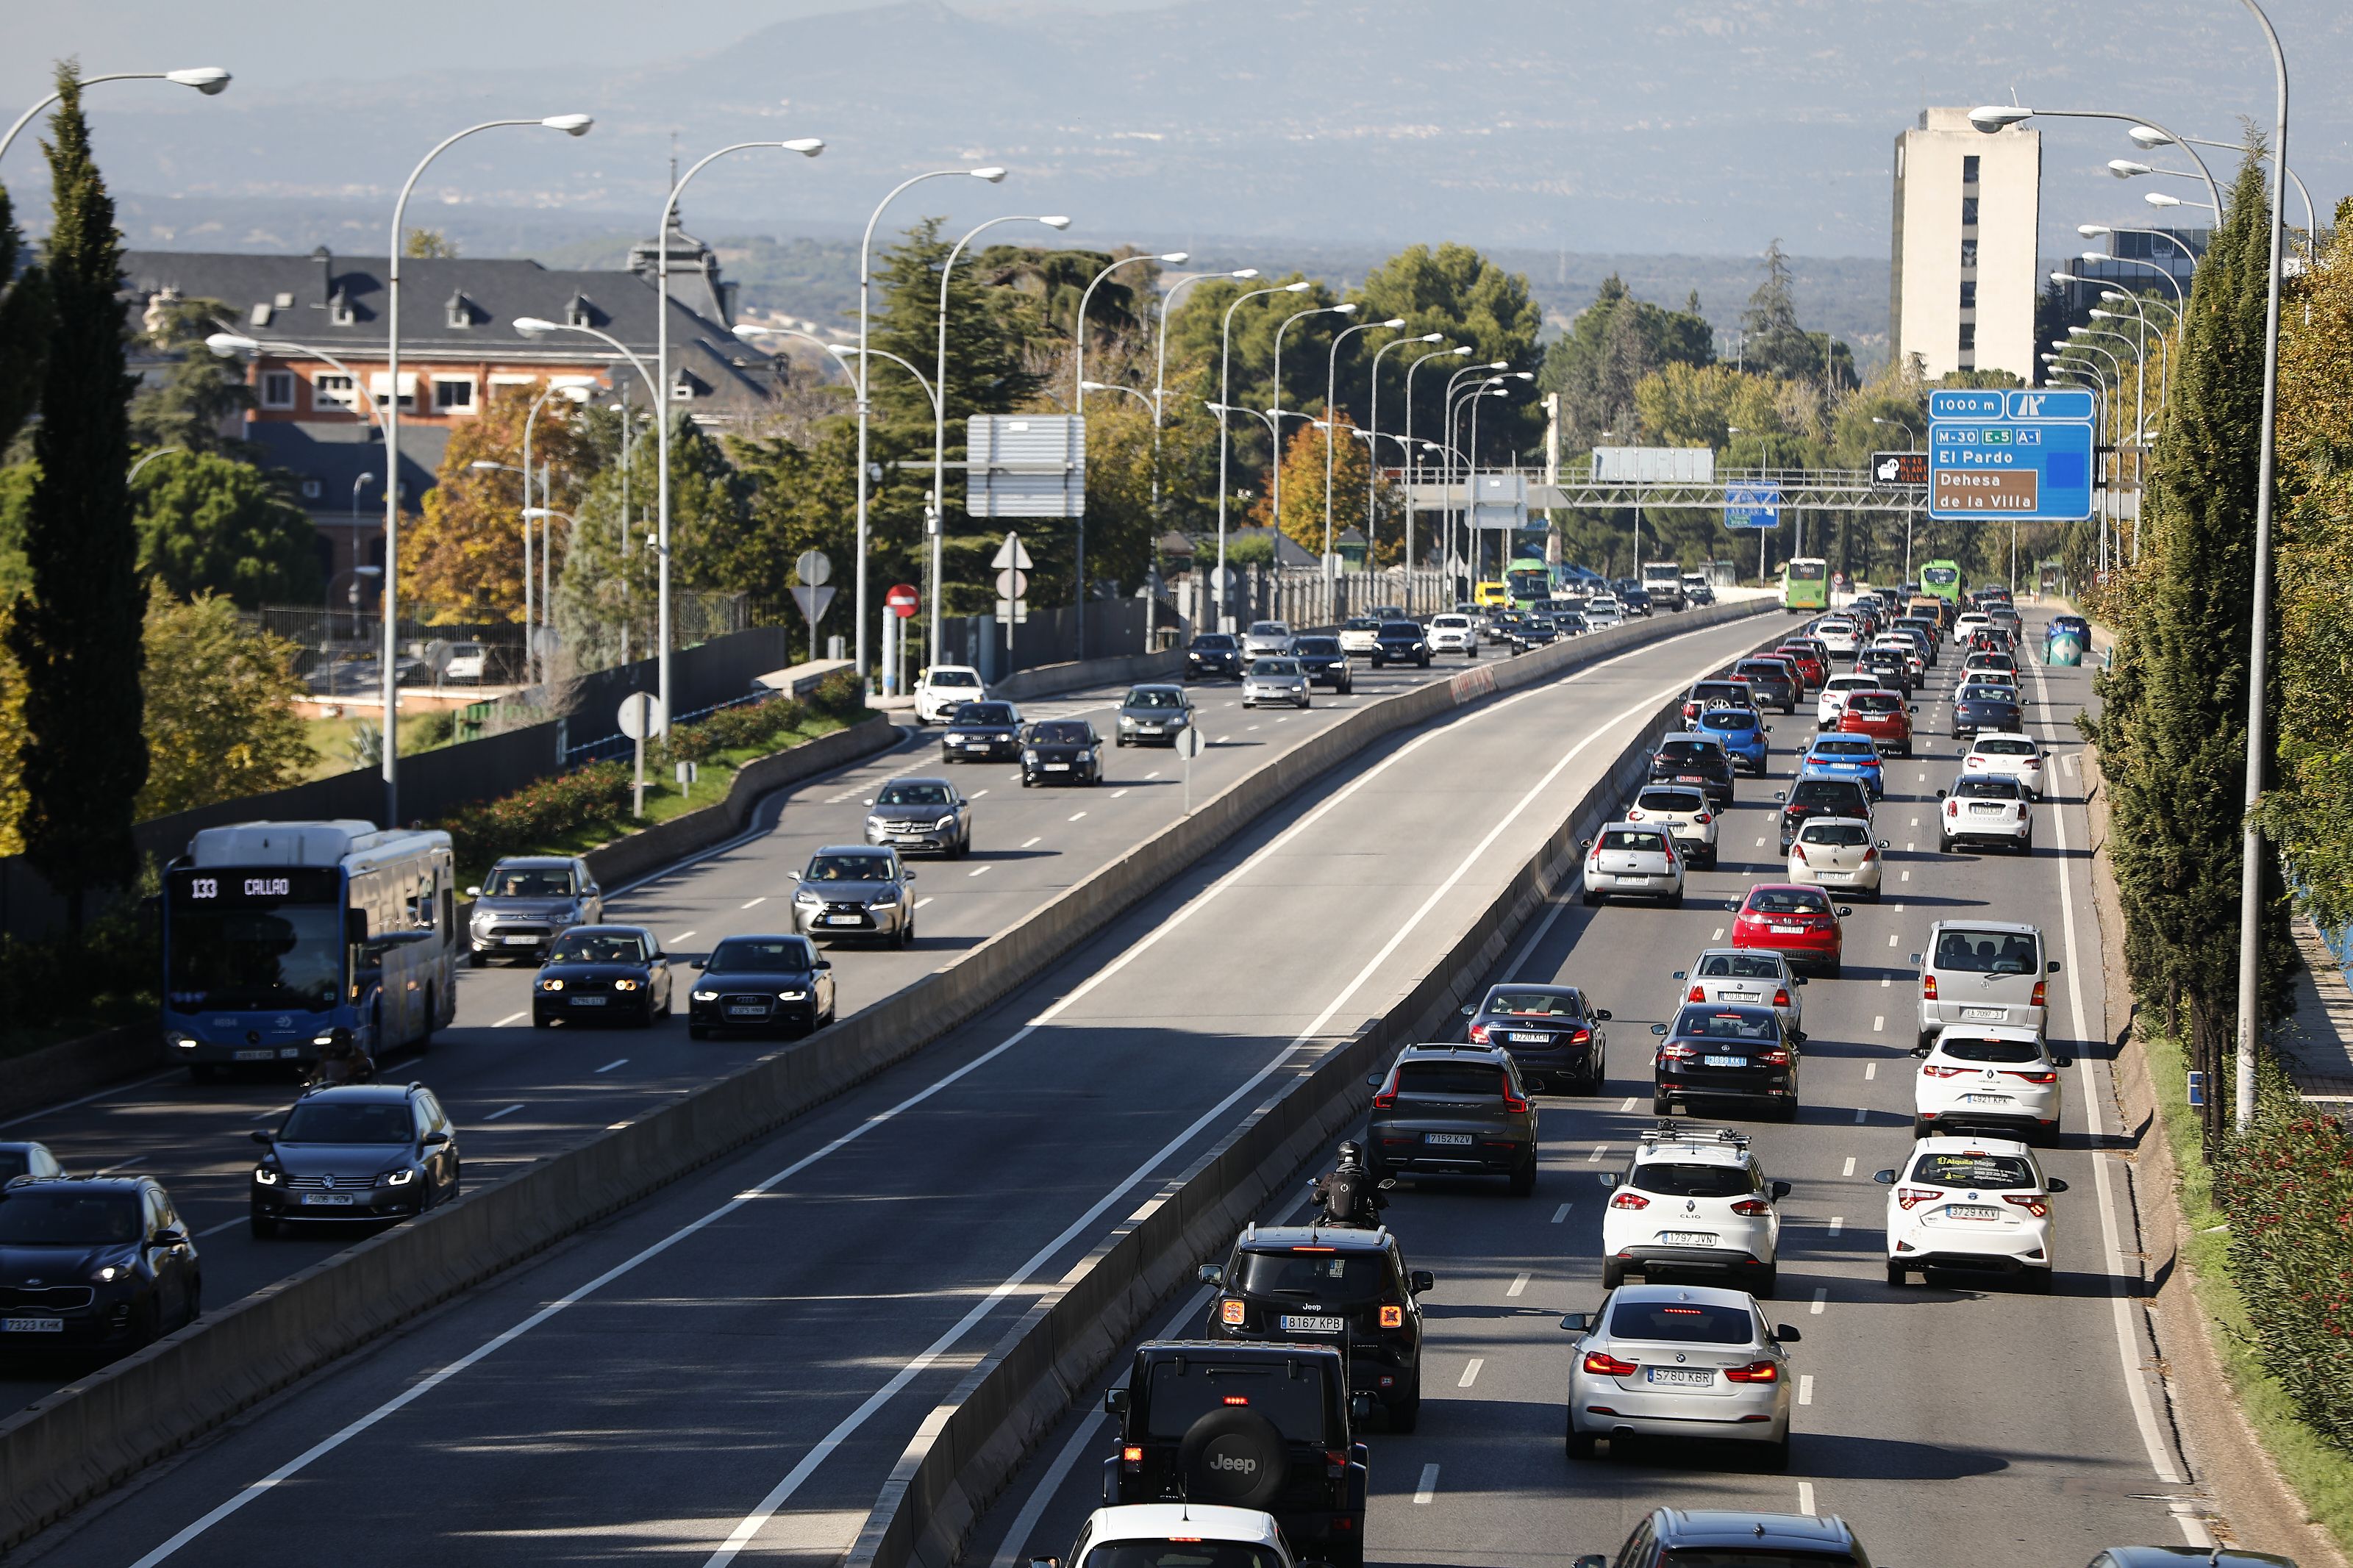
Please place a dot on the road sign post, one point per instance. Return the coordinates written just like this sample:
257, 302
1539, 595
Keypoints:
815, 571
1189, 744
902, 602
1012, 564
2019, 455
641, 715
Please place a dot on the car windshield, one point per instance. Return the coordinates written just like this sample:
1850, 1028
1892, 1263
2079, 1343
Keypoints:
1182, 1554
1316, 1274
1064, 733
1155, 696
598, 947
530, 882
1533, 1003
1981, 693
1399, 631
37, 1218
1789, 902
1269, 629
1751, 1557
1691, 751
1981, 1049
1875, 702
1762, 671
1740, 966
1680, 1181
1846, 750
1672, 800
1846, 835
1728, 1024
1319, 647
1988, 953
345, 1123
1451, 1081
963, 680
1997, 1173
1998, 788
1682, 1323
1361, 623
847, 868
2007, 746
760, 956
1214, 642
1634, 838
1274, 667
1290, 1392
915, 794
1825, 792
1740, 720
984, 713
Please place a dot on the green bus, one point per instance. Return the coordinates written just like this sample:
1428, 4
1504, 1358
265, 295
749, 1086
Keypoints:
1806, 584
1942, 580
1528, 581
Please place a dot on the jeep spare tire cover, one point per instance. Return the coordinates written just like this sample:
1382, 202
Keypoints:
1232, 1456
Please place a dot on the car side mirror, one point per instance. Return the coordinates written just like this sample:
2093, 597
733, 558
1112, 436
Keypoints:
1592, 1560
171, 1236
1421, 1279
1915, 961
1797, 980
1884, 1178
1683, 973
870, 802
434, 1139
1780, 794
2046, 754
1373, 1081
1115, 1402
2062, 1061
1609, 1178
1577, 1322
1923, 1049
1787, 1333
1604, 1013
2053, 966
1914, 709
909, 875
473, 893
698, 964
1658, 1028
1470, 1012
258, 1136
1780, 1189
1940, 795
1843, 911
1361, 1407
1883, 844
1210, 1274
1584, 844
2054, 1184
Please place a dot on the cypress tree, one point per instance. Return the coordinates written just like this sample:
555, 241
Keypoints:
24, 327
76, 632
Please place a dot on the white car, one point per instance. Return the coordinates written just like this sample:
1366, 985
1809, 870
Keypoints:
1834, 693
1178, 1536
2005, 756
468, 661
1601, 612
1679, 1362
1970, 1202
1274, 681
1265, 639
1447, 633
1747, 977
945, 687
1988, 1077
1968, 622
1693, 1200
1359, 633
1837, 852
1993, 810
1838, 636
1683, 811
1633, 857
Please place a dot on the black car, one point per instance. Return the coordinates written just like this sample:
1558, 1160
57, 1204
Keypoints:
601, 973
1925, 628
1894, 671
1317, 1285
1153, 715
760, 983
99, 1263
1674, 1535
1495, 624
1821, 797
356, 1152
981, 732
1061, 751
1323, 662
1979, 709
1636, 601
1534, 631
1773, 681
1725, 1051
1569, 623
1699, 760
27, 1159
921, 813
1460, 1110
1400, 642
1552, 1031
1263, 1426
1216, 654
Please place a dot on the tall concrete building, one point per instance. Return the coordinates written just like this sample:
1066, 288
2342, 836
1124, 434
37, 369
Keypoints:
1965, 273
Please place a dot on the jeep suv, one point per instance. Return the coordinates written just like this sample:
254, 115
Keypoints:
1318, 1284
1245, 1425
1453, 1109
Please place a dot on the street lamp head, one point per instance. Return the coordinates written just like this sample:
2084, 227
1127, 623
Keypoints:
485, 466
2159, 199
841, 351
1500, 364
2060, 343
2099, 315
2113, 296
1429, 338
992, 173
533, 326
1462, 353
1057, 222
570, 124
2093, 230
2148, 136
207, 79
539, 513
1177, 257
2079, 332
1394, 322
1299, 288
2125, 168
1992, 117
2065, 277
806, 146
1524, 375
1347, 310
2095, 256
229, 345
1243, 273
1094, 386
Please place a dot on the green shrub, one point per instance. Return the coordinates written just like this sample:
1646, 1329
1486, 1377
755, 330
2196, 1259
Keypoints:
766, 724
111, 974
544, 811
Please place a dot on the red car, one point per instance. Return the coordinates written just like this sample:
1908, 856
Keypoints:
1884, 716
1800, 923
1801, 659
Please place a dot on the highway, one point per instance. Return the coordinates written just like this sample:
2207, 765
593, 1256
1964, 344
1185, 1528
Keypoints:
733, 1367
2034, 1412
520, 1094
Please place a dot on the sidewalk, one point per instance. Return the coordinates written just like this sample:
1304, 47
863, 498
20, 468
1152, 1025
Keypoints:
2316, 1046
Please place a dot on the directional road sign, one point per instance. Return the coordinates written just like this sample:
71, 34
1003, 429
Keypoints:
812, 601
1900, 469
641, 716
2024, 455
1011, 554
1752, 506
902, 601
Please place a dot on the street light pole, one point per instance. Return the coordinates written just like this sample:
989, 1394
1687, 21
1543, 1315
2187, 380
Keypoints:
210, 80
1225, 440
1346, 309
1331, 398
1078, 407
1413, 457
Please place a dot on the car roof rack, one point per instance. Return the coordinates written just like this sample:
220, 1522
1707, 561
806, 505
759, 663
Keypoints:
1670, 1130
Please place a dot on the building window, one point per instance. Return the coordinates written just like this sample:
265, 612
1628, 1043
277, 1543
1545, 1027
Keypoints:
312, 489
1969, 296
460, 313
380, 389
278, 389
1969, 337
1970, 169
258, 316
453, 394
580, 312
1968, 212
333, 392
1968, 254
339, 309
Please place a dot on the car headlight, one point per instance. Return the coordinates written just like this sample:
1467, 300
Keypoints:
706, 995
625, 985
1000, 737
111, 1273
891, 903
550, 985
397, 1178
1127, 721
806, 896
792, 995
184, 1042
266, 1175
874, 825
944, 823
1029, 756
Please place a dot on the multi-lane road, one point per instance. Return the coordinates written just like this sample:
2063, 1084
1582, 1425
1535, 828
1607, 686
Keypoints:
2034, 1416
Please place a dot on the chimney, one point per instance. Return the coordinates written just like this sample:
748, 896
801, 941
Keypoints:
326, 272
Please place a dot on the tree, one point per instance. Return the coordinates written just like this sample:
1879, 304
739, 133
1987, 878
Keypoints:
201, 396
211, 525
1773, 342
25, 328
1303, 490
1458, 291
76, 632
429, 244
220, 706
463, 558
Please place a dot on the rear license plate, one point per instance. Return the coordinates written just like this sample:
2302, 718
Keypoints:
1989, 1014
1789, 931
1985, 1099
1301, 1325
330, 1200
590, 1001
1985, 811
1449, 1140
262, 1056
519, 940
1725, 1061
1526, 1039
746, 1012
32, 1325
1687, 1238
1973, 1211
1679, 1377
1738, 995
841, 919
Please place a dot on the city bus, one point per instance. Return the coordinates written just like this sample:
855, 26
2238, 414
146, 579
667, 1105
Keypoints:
276, 934
1942, 580
1529, 582
1806, 584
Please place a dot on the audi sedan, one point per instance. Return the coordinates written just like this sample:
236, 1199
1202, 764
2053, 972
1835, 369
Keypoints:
1680, 1362
761, 984
1800, 923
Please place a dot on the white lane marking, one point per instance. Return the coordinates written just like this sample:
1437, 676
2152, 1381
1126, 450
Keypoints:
977, 794
1870, 1070
681, 937
1153, 775
1630, 1103
1924, 778
1761, 844
1884, 982
616, 1062
1561, 1212
1891, 939
845, 795
1117, 792
1806, 1497
1718, 936
512, 1018
1471, 1370
1222, 739
975, 872
924, 900
1519, 1283
217, 1229
504, 1111
1911, 847
1805, 1388
1599, 1149
755, 903
1861, 1113
2127, 1347
1076, 815
1899, 908
1231, 702
1040, 839
1838, 1223
1906, 877
1878, 1021
1427, 1488
1915, 821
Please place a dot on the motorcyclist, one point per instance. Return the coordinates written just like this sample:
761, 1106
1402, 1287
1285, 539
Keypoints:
342, 1061
1348, 1194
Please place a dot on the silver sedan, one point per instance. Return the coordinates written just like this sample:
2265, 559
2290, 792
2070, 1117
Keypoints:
1679, 1362
1275, 680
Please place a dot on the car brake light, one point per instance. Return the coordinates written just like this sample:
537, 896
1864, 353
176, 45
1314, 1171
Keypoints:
1752, 1206
1678, 1053
1780, 997
2039, 987
1871, 852
1393, 1317
1629, 1201
1798, 853
1478, 1033
1702, 819
2037, 1077
1697, 994
1513, 1101
1928, 987
1607, 1365
1233, 1312
1582, 1037
1132, 1454
1775, 1059
1754, 1372
1386, 1099
1933, 1070
1907, 1197
2032, 1203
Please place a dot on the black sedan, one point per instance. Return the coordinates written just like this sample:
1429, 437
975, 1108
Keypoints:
1061, 751
1693, 759
1552, 1031
1400, 642
1894, 671
761, 982
356, 1152
27, 1159
1213, 653
981, 732
1637, 601
103, 1263
1821, 797
1719, 1052
1325, 662
1534, 631
1979, 709
595, 973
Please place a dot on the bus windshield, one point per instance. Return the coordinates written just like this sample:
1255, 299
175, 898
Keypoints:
284, 956
1529, 585
1808, 571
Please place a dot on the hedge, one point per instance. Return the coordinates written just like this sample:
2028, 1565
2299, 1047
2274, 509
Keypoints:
546, 810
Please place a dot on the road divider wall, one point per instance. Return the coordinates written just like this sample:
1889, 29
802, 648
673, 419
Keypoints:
78, 1442
1053, 680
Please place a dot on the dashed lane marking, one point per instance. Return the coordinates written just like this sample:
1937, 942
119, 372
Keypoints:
512, 1018
1519, 1283
1884, 982
1628, 1105
1561, 1213
1719, 932
1906, 877
755, 903
1599, 1149
1847, 1168
1806, 1497
1471, 1370
1838, 1223
922, 901
1117, 792
616, 1062
1860, 1114
681, 937
1870, 1071
504, 1111
1427, 1487
217, 1229
1034, 841
1891, 939
975, 872
1805, 1388
978, 793
1076, 815
1153, 775
1878, 1021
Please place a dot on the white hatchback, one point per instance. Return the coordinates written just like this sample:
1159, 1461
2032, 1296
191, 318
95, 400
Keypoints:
1451, 634
1602, 611
1683, 810
1834, 693
1990, 810
1989, 1076
1971, 621
1840, 636
1837, 852
2005, 756
1693, 1200
945, 687
1970, 1202
1633, 857
1747, 977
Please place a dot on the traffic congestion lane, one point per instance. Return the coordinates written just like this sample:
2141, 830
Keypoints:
520, 1094
2018, 1408
764, 1336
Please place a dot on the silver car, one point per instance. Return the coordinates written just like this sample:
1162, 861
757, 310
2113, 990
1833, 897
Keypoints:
921, 813
853, 891
1275, 680
1636, 857
1747, 977
1266, 637
526, 902
1679, 1362
1837, 852
1982, 971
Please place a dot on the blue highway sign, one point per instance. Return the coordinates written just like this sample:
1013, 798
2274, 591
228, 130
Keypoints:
1752, 506
2024, 455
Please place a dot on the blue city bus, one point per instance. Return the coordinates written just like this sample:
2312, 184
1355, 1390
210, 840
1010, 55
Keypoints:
276, 934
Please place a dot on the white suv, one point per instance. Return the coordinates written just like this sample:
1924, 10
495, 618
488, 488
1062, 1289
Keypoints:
1989, 1075
1692, 1199
1451, 634
1988, 810
2005, 756
1970, 1202
1175, 1532
945, 687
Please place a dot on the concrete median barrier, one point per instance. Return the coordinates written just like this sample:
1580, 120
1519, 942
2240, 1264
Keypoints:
76, 1443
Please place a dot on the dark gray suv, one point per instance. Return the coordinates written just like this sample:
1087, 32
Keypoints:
1453, 1109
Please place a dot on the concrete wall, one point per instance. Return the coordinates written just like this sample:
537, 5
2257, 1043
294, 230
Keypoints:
1053, 680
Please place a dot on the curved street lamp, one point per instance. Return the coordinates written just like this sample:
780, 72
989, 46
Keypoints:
1413, 453
1995, 117
1331, 398
1342, 310
1224, 404
210, 80
1373, 422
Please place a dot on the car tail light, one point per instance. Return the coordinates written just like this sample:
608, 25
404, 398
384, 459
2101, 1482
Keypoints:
1478, 1033
1905, 1198
2032, 1203
1775, 1059
1635, 815
1386, 1099
1932, 1070
1780, 997
1798, 853
1972, 761
1927, 988
1393, 1317
1697, 994
1869, 852
1233, 1312
2037, 1077
1629, 1201
2039, 988
1678, 1053
1513, 1101
1602, 1363
1754, 1372
1702, 819
1131, 1455
1753, 1208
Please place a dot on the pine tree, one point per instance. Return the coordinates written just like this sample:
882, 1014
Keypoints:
76, 634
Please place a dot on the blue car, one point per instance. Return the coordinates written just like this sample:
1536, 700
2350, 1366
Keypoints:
1845, 757
1742, 730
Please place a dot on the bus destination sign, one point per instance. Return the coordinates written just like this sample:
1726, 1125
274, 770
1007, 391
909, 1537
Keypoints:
232, 886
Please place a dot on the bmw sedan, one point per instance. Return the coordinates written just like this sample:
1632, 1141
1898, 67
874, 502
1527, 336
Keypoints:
921, 813
761, 982
600, 974
1681, 1361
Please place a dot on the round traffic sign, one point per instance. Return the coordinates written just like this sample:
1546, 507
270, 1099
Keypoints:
902, 601
1189, 743
814, 570
641, 716
1222, 576
1012, 583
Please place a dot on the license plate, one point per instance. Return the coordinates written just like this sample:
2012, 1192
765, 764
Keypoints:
1725, 1061
841, 919
519, 940
262, 1056
330, 1200
32, 1325
1452, 1140
1679, 1377
590, 1001
1985, 811
1789, 931
1687, 1238
746, 1012
1986, 1015
1973, 1211
1306, 1325
1526, 1039
1147, 728
1738, 995
1985, 1100
1058, 767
